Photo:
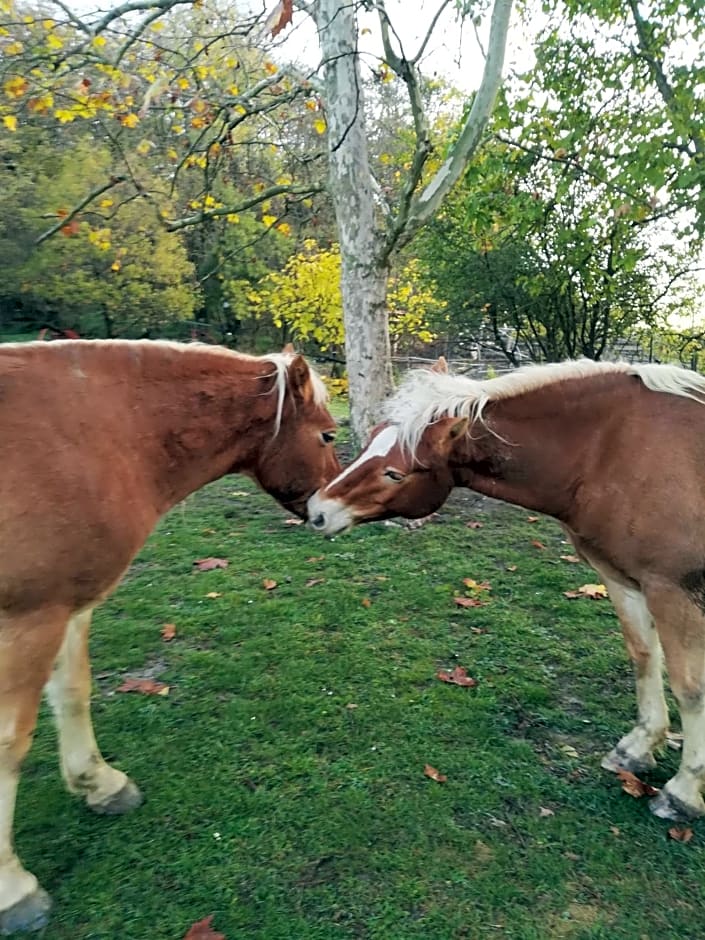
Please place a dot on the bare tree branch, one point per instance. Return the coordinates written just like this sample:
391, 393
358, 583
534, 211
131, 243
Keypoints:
93, 194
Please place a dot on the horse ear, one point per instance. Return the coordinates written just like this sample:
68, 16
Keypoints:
300, 379
440, 366
458, 428
289, 349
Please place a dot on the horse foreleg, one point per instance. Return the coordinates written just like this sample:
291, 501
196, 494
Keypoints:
634, 751
28, 646
105, 789
680, 621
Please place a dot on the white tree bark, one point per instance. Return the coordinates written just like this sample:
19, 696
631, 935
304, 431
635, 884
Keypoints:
352, 188
369, 230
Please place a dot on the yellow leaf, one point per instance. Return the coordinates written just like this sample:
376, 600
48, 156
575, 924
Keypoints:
116, 265
269, 220
14, 48
233, 218
172, 154
311, 105
157, 27
320, 125
183, 83
48, 24
106, 203
143, 147
284, 228
99, 41
10, 122
54, 41
270, 68
16, 87
129, 120
64, 116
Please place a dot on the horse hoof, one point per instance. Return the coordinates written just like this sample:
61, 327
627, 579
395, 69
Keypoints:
130, 797
667, 806
617, 760
30, 913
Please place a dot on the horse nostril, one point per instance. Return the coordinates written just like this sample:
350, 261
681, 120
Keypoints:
319, 521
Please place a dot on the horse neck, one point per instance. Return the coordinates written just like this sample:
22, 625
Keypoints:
196, 414
534, 448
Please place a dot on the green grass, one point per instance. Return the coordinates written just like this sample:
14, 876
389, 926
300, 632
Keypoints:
289, 814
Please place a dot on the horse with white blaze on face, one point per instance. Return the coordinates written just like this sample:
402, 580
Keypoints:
100, 439
616, 453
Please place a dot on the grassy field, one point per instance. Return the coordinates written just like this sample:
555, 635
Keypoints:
284, 771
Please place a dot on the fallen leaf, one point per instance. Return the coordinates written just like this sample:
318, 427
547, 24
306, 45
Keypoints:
457, 676
293, 521
213, 594
208, 564
478, 630
315, 558
202, 930
537, 544
680, 835
532, 518
144, 686
433, 774
635, 787
366, 602
674, 740
544, 811
615, 830
469, 602
511, 567
168, 632
573, 559
569, 750
351, 706
269, 584
312, 581
477, 585
474, 525
594, 591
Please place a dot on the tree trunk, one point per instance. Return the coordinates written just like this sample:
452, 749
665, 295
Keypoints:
364, 275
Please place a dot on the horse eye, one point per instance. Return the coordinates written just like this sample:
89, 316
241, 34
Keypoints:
328, 437
395, 475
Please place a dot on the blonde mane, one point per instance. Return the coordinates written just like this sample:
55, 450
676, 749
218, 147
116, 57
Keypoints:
426, 396
280, 362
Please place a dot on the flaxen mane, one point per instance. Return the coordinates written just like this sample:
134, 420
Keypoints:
426, 396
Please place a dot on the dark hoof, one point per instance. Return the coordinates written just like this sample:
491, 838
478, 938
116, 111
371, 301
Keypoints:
31, 913
667, 806
617, 760
130, 797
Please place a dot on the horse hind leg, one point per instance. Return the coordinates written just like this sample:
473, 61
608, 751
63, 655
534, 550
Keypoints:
634, 752
679, 615
28, 646
106, 790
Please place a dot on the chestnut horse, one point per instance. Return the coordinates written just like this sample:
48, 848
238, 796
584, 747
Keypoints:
616, 453
100, 439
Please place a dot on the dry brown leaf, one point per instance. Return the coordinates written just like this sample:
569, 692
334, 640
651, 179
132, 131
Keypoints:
532, 518
680, 835
213, 594
366, 602
168, 632
469, 602
478, 630
635, 787
144, 686
269, 584
315, 558
595, 592
279, 18
511, 567
434, 774
573, 559
202, 930
457, 676
537, 544
208, 564
477, 585
312, 581
474, 525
